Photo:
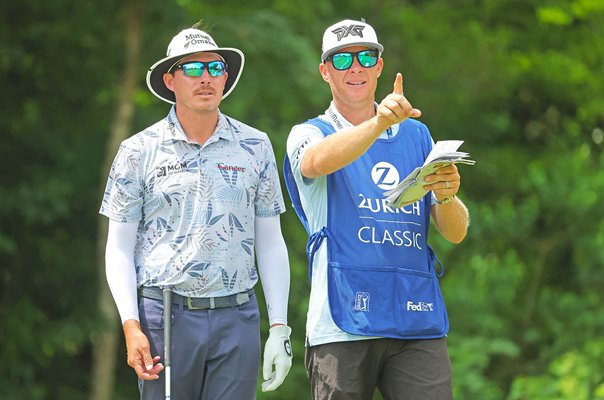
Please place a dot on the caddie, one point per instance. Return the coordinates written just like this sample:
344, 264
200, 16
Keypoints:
376, 315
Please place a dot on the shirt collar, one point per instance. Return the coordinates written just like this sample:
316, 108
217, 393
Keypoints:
346, 124
342, 121
224, 130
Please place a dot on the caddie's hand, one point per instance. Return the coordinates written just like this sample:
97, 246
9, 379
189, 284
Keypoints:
277, 352
395, 108
444, 182
139, 354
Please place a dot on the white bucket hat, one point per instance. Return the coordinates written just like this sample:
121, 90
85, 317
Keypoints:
349, 33
187, 42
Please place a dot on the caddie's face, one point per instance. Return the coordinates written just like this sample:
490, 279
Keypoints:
355, 84
202, 92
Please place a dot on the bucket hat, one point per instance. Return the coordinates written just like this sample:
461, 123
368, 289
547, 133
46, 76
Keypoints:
186, 42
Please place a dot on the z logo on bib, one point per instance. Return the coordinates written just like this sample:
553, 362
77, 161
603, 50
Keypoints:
385, 175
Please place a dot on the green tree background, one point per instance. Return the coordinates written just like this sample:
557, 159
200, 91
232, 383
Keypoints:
522, 82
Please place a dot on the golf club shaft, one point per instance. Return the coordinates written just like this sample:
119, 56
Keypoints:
167, 337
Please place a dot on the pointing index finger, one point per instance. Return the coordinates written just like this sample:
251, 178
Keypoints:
398, 84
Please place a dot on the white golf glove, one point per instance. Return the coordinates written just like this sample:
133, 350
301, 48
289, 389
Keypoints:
277, 352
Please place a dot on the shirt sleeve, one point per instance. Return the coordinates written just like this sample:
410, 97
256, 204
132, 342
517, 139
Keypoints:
123, 196
300, 139
269, 197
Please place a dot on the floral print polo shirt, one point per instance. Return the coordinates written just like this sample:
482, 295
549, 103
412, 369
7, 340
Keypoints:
195, 204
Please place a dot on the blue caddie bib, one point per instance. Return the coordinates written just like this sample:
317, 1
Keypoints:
381, 275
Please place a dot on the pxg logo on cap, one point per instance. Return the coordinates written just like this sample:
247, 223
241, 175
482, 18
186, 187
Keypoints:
349, 33
354, 30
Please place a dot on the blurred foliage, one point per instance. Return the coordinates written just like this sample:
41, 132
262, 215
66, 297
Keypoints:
522, 82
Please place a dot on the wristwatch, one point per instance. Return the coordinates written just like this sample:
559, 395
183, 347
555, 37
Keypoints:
446, 200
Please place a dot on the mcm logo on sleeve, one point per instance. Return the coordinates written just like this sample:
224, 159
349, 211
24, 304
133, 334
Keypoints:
345, 30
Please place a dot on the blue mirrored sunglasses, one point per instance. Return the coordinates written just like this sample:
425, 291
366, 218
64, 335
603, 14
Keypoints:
196, 68
343, 61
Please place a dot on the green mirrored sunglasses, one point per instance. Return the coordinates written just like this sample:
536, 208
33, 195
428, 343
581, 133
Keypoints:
196, 68
343, 61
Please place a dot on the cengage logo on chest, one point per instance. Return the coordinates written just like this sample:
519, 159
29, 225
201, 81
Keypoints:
170, 169
225, 167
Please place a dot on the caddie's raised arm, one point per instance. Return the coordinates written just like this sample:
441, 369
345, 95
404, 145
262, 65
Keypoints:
340, 149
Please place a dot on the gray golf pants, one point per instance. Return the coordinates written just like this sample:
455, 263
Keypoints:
215, 353
400, 369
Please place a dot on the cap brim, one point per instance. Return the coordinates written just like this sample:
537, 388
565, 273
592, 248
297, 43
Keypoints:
234, 59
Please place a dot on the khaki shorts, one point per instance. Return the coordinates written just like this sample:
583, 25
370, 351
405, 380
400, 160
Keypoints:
399, 369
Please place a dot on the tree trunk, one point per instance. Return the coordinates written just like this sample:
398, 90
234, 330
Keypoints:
105, 338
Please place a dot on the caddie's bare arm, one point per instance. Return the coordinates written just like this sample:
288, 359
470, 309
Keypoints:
340, 149
451, 219
121, 276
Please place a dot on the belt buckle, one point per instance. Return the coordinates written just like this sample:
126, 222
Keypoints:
242, 298
191, 306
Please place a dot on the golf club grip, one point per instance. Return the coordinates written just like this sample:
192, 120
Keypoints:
167, 338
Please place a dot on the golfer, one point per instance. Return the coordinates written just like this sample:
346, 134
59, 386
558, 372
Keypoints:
191, 201
376, 316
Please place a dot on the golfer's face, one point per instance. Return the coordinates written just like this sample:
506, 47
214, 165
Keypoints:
202, 92
355, 83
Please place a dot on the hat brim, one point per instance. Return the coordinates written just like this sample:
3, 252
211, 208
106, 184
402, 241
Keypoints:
371, 45
234, 59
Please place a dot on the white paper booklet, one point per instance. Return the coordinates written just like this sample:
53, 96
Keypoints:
410, 189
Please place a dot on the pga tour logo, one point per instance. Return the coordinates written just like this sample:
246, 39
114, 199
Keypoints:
361, 301
385, 175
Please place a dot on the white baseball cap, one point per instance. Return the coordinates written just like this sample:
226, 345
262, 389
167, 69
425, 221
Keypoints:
187, 42
349, 33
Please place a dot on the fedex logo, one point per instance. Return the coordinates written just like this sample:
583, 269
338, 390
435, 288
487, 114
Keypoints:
420, 306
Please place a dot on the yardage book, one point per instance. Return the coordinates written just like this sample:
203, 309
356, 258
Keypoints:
410, 189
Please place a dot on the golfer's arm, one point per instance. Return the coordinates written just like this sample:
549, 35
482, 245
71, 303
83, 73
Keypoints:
273, 267
451, 220
340, 149
119, 268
